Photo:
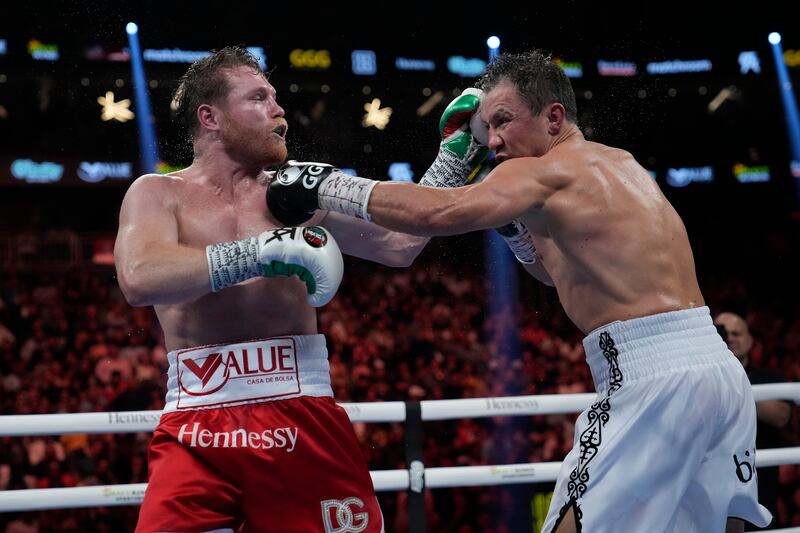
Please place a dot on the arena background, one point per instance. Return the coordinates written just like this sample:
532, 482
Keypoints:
715, 139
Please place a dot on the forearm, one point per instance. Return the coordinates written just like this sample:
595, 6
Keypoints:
398, 249
164, 274
776, 413
390, 248
416, 210
538, 271
372, 242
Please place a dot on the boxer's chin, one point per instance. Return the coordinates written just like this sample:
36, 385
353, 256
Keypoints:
270, 154
276, 154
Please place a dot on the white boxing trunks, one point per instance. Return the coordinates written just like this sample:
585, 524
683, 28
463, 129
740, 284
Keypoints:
669, 444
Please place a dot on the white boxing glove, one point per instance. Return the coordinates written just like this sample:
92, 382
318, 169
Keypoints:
309, 253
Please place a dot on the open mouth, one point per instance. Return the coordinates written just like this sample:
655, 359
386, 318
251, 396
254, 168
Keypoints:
281, 131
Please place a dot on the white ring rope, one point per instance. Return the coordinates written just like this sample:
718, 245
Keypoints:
545, 404
384, 480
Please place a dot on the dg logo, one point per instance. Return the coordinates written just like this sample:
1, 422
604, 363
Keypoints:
338, 516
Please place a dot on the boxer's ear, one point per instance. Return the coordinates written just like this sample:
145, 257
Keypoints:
555, 114
208, 117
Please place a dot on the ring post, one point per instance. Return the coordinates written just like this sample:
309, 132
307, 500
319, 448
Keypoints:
416, 468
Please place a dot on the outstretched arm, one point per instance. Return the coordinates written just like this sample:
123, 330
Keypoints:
511, 189
372, 242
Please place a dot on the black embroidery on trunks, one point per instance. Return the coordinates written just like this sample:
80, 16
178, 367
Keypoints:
592, 436
562, 514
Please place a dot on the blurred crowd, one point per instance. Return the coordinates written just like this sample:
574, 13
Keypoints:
70, 343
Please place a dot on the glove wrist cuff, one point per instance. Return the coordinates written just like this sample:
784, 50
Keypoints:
346, 194
232, 262
519, 240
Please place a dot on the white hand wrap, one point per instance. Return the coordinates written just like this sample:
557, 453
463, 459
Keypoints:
447, 171
309, 254
346, 194
232, 262
519, 240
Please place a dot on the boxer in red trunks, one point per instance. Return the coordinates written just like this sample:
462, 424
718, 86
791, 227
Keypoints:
251, 439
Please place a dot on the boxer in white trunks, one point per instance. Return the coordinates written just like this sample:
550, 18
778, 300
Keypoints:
251, 439
669, 444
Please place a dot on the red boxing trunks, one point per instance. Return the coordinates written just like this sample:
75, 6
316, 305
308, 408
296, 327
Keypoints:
251, 438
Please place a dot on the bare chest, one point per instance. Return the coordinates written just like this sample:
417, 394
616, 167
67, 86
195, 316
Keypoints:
205, 217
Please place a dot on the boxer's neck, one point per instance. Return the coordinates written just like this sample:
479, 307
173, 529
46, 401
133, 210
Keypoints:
223, 172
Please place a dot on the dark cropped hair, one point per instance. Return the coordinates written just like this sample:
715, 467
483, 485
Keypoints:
205, 82
537, 78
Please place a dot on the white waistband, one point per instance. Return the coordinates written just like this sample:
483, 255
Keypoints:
263, 370
645, 346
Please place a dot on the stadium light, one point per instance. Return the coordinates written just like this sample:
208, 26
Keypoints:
790, 112
148, 147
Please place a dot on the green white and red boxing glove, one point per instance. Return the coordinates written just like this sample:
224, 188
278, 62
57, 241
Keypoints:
464, 143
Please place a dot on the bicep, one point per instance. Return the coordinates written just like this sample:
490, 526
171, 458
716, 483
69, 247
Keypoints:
508, 192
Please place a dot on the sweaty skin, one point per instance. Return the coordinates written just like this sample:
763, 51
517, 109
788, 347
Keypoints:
167, 221
606, 236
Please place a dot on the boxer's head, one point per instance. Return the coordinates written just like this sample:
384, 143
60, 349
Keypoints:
226, 97
205, 82
537, 79
527, 98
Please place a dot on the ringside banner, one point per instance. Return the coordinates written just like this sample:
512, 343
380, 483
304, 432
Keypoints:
41, 171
